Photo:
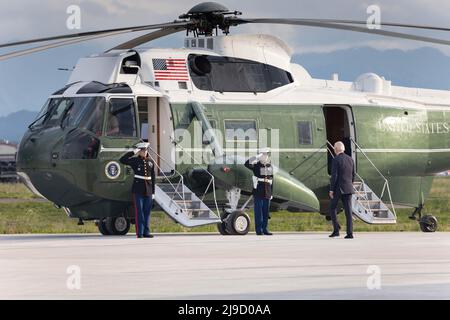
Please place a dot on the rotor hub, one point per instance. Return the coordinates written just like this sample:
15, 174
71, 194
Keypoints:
208, 17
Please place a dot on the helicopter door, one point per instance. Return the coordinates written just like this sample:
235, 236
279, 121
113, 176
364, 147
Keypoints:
340, 126
156, 125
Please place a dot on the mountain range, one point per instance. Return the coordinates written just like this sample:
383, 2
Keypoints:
14, 125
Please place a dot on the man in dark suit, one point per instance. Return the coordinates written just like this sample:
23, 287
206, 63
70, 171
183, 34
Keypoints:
341, 187
143, 189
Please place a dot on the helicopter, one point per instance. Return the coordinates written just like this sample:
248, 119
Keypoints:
205, 107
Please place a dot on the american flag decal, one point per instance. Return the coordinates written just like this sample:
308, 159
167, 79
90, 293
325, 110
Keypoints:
170, 69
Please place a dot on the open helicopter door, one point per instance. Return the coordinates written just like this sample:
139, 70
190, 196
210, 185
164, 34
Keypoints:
155, 119
171, 194
340, 126
366, 204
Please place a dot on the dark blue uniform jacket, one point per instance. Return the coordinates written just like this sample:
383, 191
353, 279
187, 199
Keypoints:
263, 189
142, 167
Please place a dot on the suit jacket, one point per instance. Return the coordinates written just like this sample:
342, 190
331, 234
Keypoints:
263, 189
342, 174
142, 167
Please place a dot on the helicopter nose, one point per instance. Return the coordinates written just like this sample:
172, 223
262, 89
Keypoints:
36, 160
34, 151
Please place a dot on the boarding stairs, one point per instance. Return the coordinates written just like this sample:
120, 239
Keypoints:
369, 207
366, 204
179, 202
183, 205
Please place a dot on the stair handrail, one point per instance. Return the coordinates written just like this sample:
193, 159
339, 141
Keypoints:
330, 149
182, 196
211, 181
291, 172
386, 182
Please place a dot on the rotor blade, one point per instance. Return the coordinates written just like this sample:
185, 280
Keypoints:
93, 33
386, 24
56, 44
146, 38
330, 25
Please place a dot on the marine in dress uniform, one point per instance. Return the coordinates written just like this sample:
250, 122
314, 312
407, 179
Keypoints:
262, 189
143, 187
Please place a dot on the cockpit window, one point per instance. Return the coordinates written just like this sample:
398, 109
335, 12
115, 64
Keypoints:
121, 118
224, 74
83, 112
41, 115
58, 109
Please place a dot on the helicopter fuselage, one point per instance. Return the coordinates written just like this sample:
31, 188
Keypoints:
71, 156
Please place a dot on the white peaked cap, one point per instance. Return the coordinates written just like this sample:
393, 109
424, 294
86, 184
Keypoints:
264, 150
142, 145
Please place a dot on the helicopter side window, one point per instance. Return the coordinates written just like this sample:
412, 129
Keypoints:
305, 132
240, 130
121, 118
225, 74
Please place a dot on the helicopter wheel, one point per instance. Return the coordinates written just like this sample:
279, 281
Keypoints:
222, 226
117, 226
428, 223
102, 227
237, 223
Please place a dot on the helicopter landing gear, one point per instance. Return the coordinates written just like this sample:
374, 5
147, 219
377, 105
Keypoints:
427, 223
238, 223
115, 226
102, 227
222, 226
234, 223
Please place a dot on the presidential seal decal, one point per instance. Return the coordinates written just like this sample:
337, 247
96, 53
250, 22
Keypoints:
112, 170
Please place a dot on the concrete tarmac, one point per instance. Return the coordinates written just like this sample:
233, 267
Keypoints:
209, 266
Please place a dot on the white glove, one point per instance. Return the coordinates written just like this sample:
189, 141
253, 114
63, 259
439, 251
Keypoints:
153, 196
255, 159
135, 151
271, 197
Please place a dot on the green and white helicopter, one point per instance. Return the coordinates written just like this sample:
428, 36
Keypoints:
206, 107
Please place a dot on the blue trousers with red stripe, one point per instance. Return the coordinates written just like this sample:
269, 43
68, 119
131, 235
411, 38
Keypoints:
261, 208
143, 206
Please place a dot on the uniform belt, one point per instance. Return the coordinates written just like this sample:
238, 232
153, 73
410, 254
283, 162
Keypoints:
265, 180
142, 177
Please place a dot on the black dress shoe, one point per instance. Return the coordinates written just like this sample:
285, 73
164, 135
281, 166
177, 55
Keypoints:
148, 236
334, 234
259, 233
349, 236
138, 236
267, 233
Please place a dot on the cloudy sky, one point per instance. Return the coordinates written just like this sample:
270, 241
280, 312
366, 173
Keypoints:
26, 81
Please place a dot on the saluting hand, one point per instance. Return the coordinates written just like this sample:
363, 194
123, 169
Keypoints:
331, 194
